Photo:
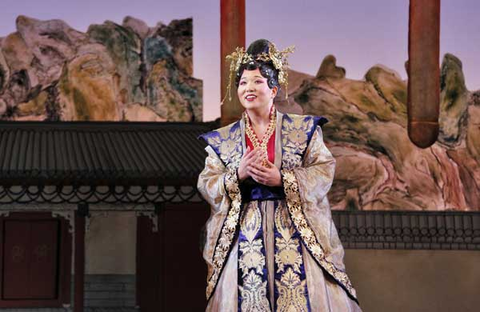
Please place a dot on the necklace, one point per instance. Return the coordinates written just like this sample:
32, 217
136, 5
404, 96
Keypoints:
266, 137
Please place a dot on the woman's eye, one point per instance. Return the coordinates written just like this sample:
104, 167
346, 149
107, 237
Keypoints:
258, 81
242, 83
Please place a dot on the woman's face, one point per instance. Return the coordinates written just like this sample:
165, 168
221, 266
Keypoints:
253, 91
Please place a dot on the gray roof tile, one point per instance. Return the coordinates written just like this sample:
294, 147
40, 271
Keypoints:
130, 153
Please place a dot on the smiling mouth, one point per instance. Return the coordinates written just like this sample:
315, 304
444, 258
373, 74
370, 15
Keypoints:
250, 97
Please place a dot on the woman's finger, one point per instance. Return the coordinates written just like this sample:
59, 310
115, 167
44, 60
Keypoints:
259, 173
259, 167
247, 153
254, 176
270, 165
252, 160
258, 178
253, 153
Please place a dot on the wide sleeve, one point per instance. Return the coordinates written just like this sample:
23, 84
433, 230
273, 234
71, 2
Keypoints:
306, 189
318, 169
315, 179
211, 180
213, 184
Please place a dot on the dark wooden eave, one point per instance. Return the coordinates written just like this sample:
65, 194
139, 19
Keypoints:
101, 153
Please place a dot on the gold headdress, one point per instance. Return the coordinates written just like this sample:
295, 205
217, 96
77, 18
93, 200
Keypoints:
278, 58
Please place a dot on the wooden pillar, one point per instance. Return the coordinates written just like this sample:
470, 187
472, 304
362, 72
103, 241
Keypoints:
149, 266
232, 35
423, 71
162, 286
79, 297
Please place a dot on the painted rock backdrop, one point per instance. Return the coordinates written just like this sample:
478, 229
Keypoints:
49, 71
378, 168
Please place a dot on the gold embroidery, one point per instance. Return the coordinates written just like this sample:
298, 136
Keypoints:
228, 143
287, 253
294, 139
254, 294
228, 230
252, 257
294, 205
253, 291
291, 293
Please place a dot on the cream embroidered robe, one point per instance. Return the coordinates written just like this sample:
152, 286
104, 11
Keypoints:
268, 252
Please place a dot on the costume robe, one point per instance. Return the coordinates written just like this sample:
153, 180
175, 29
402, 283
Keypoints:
268, 248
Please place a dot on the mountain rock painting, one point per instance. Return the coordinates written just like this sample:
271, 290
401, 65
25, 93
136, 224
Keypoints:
50, 71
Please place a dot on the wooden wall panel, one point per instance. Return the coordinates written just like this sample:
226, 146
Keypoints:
35, 254
171, 273
16, 257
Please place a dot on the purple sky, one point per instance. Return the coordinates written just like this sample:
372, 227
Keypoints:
359, 33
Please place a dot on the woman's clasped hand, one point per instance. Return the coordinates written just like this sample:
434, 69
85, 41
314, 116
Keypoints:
251, 166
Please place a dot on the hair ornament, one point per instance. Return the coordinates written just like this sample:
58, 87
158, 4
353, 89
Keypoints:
277, 57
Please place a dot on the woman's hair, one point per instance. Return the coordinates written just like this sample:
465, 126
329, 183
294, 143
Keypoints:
267, 70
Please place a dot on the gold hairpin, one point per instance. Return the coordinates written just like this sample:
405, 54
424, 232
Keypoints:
278, 58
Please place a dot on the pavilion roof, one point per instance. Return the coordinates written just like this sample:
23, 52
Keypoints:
101, 153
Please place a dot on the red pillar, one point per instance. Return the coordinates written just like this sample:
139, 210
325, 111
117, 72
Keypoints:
423, 71
232, 35
79, 276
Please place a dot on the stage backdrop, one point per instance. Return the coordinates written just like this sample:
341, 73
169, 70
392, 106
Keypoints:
378, 168
49, 71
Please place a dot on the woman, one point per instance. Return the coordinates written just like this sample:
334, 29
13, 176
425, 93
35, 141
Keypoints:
271, 244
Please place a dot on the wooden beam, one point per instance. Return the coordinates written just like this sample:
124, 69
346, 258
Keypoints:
79, 297
423, 72
232, 35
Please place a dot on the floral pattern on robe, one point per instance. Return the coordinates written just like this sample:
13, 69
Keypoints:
307, 168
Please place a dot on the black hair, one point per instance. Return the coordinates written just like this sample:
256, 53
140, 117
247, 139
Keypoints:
267, 69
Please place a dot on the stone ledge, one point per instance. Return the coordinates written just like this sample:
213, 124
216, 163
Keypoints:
443, 230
